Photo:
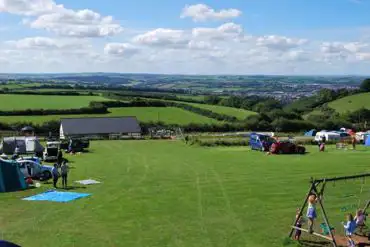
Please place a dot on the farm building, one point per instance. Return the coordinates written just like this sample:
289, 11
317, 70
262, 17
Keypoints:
100, 127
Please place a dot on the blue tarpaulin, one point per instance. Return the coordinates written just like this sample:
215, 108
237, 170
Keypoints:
57, 196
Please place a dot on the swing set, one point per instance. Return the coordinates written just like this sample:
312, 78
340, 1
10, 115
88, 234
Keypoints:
317, 187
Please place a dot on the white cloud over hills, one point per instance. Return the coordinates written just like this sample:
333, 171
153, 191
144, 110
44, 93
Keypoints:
76, 40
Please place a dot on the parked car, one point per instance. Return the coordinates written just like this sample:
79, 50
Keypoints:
261, 142
78, 144
32, 167
287, 147
51, 151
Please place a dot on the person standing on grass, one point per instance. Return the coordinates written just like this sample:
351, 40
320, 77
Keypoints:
55, 174
64, 170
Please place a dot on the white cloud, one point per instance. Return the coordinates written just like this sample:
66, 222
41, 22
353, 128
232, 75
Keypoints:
202, 12
280, 43
29, 7
201, 45
60, 20
223, 32
162, 37
82, 23
120, 49
45, 43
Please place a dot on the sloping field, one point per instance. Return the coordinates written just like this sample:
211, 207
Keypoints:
240, 114
164, 193
168, 115
22, 102
351, 103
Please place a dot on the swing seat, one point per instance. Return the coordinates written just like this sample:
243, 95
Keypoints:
325, 229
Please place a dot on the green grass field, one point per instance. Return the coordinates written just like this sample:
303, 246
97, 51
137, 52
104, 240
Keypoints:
164, 193
351, 103
21, 102
169, 115
240, 114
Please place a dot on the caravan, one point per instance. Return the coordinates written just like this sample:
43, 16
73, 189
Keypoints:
329, 136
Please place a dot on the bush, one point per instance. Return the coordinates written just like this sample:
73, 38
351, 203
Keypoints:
41, 112
220, 142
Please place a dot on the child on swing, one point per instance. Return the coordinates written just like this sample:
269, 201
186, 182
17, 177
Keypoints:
349, 228
311, 211
360, 219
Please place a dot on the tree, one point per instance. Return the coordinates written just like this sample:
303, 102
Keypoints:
365, 85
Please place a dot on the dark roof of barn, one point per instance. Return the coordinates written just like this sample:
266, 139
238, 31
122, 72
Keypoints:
100, 125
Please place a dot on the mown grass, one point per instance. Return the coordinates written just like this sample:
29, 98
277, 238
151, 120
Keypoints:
22, 102
240, 114
168, 115
351, 103
164, 193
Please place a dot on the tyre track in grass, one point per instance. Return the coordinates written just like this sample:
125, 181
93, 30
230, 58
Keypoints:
199, 202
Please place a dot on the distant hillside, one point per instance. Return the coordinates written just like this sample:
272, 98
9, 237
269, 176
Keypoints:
351, 103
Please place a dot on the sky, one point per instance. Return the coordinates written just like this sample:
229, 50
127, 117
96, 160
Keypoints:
280, 37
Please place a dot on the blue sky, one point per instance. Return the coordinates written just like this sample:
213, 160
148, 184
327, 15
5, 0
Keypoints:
184, 36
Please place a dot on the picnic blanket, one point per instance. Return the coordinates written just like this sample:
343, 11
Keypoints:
88, 182
56, 196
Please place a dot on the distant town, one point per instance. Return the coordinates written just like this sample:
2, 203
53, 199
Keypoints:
285, 88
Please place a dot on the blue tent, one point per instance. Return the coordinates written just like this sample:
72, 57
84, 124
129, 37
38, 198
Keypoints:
11, 178
367, 140
310, 133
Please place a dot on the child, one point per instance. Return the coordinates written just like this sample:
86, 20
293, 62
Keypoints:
299, 224
349, 228
311, 211
360, 219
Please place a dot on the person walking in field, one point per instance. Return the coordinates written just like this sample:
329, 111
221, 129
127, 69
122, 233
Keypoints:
64, 170
55, 174
60, 157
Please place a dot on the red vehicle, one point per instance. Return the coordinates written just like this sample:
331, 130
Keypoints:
287, 148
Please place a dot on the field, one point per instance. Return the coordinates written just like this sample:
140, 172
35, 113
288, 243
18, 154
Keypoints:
164, 193
169, 115
351, 103
240, 114
22, 102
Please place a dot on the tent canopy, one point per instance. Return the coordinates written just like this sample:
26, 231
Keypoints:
367, 140
311, 132
25, 145
11, 178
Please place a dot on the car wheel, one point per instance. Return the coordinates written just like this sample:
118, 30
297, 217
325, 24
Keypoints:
46, 175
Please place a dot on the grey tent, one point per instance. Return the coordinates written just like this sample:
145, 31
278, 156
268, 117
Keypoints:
25, 144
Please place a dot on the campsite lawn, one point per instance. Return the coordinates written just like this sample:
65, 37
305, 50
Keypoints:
168, 115
164, 193
22, 102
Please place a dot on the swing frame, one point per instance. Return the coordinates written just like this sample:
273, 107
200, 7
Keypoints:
317, 187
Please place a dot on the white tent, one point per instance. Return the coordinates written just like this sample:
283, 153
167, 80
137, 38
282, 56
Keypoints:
25, 144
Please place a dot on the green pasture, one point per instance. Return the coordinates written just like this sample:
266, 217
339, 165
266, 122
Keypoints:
351, 103
240, 114
22, 102
168, 115
165, 193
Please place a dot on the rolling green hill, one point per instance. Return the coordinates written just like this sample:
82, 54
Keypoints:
168, 115
240, 114
351, 103
22, 102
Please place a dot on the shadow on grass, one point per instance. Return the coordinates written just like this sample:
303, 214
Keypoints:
74, 188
